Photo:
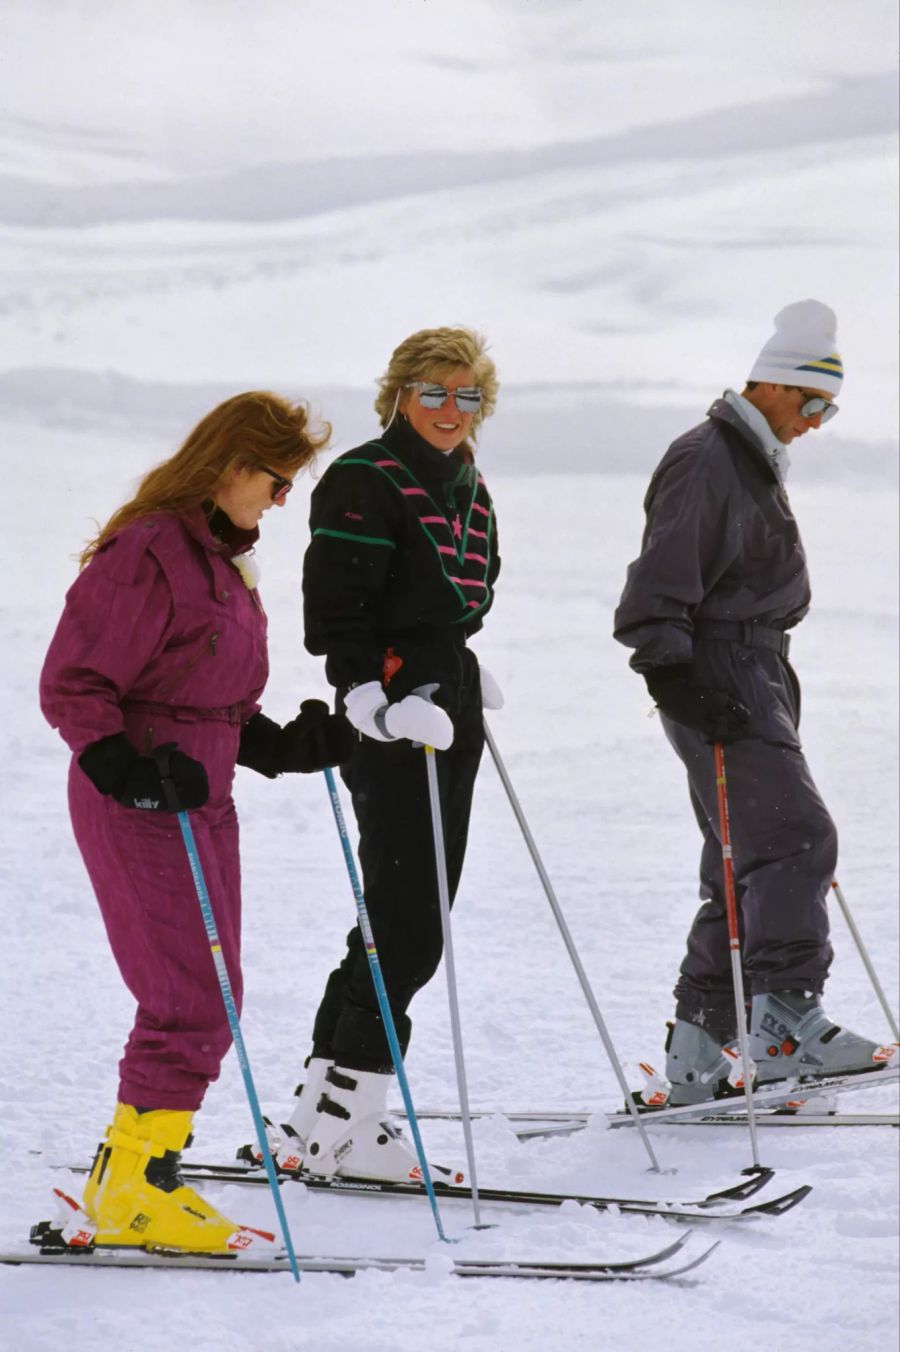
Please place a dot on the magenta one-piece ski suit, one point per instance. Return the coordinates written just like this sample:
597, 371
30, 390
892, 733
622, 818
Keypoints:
160, 638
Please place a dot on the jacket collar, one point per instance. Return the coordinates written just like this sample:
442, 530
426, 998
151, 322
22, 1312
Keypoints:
405, 441
721, 411
216, 533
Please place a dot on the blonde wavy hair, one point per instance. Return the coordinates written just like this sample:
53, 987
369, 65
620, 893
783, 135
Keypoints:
434, 354
252, 429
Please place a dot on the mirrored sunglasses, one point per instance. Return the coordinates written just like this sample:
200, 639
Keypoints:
814, 404
467, 397
281, 487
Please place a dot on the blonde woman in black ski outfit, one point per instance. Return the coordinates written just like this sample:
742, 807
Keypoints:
398, 576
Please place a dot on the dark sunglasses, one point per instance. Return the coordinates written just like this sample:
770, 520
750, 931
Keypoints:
467, 397
281, 487
814, 404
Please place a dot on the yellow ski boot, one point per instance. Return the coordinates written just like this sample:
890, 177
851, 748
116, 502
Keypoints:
135, 1194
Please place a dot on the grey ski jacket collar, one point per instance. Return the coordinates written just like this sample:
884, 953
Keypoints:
721, 410
758, 425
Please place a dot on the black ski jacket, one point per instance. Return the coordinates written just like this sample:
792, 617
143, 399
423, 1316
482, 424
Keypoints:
720, 544
401, 566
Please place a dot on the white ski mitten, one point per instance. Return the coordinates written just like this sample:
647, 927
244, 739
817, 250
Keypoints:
491, 694
365, 706
418, 719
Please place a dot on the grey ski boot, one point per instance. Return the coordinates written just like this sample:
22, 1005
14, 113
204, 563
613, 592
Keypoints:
791, 1035
696, 1066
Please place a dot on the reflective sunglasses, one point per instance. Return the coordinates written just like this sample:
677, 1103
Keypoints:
814, 404
281, 487
467, 397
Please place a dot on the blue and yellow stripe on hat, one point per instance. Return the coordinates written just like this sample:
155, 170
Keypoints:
827, 366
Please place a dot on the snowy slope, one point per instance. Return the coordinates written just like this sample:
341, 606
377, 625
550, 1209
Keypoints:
607, 806
204, 199
622, 205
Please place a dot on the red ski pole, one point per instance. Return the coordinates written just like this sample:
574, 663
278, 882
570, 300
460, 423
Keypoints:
734, 944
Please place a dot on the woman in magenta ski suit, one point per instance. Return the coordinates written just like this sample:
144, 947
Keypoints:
163, 640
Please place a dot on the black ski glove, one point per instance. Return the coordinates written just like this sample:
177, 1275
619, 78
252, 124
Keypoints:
115, 768
260, 746
715, 714
316, 738
312, 740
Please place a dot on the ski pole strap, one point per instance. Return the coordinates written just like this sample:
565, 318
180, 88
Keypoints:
746, 632
162, 755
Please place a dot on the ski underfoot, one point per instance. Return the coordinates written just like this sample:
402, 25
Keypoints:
786, 1104
530, 1126
798, 1095
674, 1260
725, 1205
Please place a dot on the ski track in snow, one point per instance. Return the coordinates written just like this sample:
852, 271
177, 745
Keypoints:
621, 203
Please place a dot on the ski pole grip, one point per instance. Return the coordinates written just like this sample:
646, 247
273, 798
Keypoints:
162, 757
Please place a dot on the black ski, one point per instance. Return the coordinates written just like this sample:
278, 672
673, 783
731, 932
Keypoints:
724, 1205
672, 1261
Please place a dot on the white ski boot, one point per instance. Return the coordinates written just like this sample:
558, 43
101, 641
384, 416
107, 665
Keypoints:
697, 1066
353, 1136
293, 1135
791, 1035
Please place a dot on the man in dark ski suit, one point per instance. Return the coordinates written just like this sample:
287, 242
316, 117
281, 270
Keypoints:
707, 607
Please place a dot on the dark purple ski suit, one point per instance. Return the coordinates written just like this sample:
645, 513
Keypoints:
161, 639
720, 579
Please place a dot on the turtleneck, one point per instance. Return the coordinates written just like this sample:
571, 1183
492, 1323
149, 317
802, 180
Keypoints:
214, 528
402, 435
776, 452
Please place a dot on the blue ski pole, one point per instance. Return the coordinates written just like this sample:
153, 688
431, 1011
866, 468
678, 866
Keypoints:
234, 1024
387, 1017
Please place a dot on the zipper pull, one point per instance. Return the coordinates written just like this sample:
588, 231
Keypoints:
213, 640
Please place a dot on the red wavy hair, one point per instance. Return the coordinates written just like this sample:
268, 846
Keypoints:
250, 429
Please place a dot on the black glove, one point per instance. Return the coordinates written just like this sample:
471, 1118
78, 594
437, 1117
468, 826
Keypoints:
312, 740
715, 714
316, 738
115, 768
260, 746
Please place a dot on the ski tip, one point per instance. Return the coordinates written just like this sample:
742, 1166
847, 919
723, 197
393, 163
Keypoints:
757, 1179
779, 1205
700, 1258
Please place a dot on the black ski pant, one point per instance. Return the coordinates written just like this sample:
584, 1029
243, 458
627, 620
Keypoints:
785, 852
389, 786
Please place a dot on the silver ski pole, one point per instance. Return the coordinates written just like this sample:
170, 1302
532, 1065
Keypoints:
572, 950
867, 963
440, 859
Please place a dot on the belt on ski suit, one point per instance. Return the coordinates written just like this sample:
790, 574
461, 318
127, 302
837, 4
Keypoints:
746, 632
182, 713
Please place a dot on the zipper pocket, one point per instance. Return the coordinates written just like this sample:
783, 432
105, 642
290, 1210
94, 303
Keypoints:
209, 646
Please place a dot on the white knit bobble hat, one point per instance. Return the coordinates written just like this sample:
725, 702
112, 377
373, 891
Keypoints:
803, 349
